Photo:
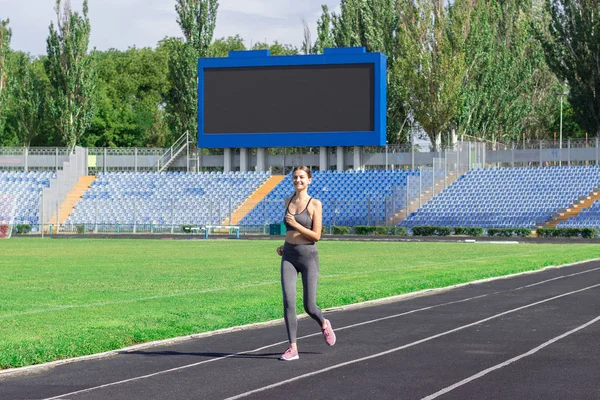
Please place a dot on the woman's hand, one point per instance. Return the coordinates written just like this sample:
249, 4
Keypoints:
291, 221
280, 250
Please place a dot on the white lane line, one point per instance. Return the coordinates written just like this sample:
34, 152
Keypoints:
557, 278
220, 289
304, 337
507, 362
62, 396
383, 353
453, 302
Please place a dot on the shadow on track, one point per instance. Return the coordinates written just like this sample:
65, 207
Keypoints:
209, 354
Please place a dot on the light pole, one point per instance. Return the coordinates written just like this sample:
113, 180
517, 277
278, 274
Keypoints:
563, 94
560, 134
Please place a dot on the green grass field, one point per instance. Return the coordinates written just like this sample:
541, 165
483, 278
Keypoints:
63, 298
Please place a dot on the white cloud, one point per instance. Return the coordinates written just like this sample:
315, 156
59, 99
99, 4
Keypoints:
142, 23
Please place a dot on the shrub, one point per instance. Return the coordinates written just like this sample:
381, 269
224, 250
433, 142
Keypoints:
381, 230
461, 230
431, 230
589, 233
422, 230
399, 231
340, 230
446, 230
22, 228
364, 230
567, 232
509, 232
80, 229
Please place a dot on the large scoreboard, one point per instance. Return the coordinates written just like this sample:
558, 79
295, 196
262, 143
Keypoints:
252, 99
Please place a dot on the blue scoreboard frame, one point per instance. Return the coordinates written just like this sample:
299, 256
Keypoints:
332, 57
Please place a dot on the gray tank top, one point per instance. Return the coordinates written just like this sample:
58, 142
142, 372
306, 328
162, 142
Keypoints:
302, 218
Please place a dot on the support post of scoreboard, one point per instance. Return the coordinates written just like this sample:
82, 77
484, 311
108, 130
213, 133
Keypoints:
323, 158
261, 159
227, 160
244, 162
339, 153
358, 158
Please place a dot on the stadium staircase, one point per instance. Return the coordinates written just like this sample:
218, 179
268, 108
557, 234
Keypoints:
575, 209
65, 209
255, 198
427, 195
173, 152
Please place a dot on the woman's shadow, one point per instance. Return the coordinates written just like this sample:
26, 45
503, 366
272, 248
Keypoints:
274, 356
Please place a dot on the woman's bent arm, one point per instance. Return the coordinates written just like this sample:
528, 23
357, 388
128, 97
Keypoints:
314, 234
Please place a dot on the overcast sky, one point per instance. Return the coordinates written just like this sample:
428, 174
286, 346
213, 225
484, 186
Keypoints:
121, 24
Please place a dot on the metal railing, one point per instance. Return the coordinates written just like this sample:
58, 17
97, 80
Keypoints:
173, 152
280, 161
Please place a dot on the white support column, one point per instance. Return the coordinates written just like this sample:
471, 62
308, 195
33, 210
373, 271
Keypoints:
323, 158
227, 160
261, 159
340, 158
244, 162
358, 158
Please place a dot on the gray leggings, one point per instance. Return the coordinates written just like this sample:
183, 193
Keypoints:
303, 259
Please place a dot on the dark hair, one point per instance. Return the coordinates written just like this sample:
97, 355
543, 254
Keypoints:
303, 168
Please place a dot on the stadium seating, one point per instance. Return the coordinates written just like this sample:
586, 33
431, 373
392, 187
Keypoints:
587, 218
493, 197
26, 189
165, 198
507, 197
349, 198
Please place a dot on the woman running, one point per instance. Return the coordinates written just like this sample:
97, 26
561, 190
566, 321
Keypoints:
303, 221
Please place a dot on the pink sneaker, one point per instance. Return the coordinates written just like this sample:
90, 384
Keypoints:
290, 354
328, 334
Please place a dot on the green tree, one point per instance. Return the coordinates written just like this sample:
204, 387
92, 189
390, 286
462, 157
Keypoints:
28, 98
324, 32
571, 45
221, 47
132, 85
197, 20
5, 34
347, 25
508, 91
431, 64
71, 73
276, 48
